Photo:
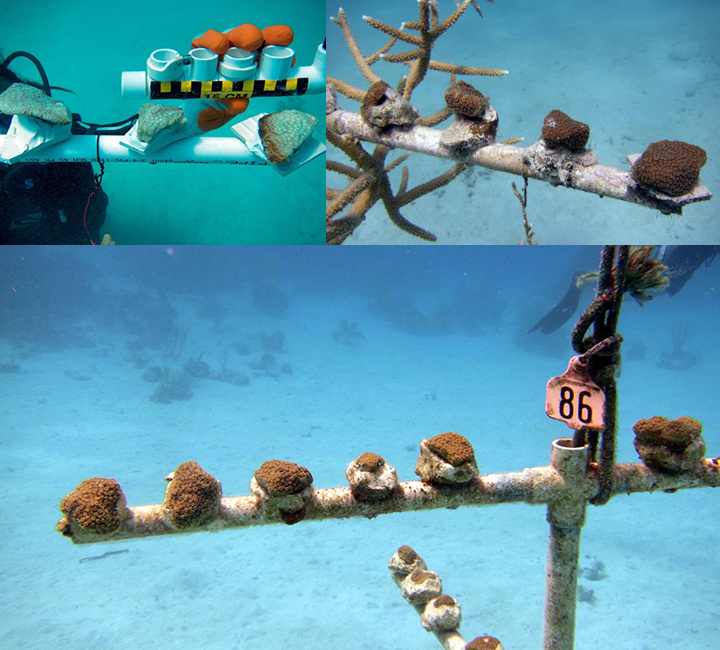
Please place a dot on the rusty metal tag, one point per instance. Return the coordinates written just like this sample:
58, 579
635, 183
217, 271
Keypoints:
575, 399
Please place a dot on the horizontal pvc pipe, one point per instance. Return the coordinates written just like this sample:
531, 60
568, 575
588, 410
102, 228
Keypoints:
83, 148
538, 485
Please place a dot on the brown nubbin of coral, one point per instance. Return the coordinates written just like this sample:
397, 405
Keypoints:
537, 485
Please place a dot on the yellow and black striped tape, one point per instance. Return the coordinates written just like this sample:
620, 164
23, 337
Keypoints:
227, 89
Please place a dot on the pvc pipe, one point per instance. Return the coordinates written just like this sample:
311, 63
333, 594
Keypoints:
566, 515
136, 84
315, 73
275, 62
82, 148
538, 485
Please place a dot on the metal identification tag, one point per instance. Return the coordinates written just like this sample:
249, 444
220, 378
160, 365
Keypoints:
575, 399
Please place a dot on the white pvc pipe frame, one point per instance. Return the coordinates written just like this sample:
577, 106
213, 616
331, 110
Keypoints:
205, 149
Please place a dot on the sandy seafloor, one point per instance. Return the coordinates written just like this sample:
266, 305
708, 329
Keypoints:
86, 46
78, 325
635, 72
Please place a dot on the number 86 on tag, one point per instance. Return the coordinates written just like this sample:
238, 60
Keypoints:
575, 399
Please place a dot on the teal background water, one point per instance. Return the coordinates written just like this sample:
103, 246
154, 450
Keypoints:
85, 46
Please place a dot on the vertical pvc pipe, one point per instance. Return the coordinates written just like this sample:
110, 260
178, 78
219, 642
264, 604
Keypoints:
566, 516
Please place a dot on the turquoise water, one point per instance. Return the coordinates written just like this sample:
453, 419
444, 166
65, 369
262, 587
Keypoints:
85, 47
635, 72
444, 347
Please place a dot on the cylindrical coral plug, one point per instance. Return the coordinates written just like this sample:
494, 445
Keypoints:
446, 458
371, 478
441, 614
283, 487
421, 586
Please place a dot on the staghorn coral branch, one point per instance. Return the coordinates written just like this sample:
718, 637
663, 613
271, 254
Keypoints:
330, 194
350, 148
397, 162
399, 34
403, 180
450, 20
376, 56
349, 194
464, 69
338, 230
393, 212
346, 89
403, 198
402, 57
340, 168
334, 166
370, 181
434, 14
435, 118
354, 47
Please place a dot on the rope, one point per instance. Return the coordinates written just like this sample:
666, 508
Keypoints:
601, 351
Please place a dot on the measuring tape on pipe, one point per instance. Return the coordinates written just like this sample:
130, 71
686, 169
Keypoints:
228, 89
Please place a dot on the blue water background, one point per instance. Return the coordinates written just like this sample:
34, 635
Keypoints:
85, 46
636, 72
444, 347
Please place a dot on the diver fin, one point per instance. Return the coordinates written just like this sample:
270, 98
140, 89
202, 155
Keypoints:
563, 311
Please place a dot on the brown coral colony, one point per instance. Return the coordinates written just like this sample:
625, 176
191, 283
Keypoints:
671, 166
192, 497
452, 448
484, 643
669, 445
407, 554
465, 100
561, 131
280, 477
370, 462
94, 505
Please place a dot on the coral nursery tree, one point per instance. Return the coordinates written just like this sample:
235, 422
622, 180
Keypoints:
665, 177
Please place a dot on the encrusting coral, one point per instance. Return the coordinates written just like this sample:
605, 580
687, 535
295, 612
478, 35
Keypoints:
97, 505
447, 458
560, 130
669, 445
670, 166
192, 497
368, 178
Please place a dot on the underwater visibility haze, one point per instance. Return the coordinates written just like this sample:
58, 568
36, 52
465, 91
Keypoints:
128, 363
